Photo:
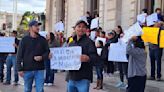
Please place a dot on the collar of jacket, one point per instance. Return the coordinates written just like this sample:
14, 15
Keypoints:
82, 37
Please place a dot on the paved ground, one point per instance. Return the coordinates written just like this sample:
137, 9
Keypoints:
60, 86
109, 84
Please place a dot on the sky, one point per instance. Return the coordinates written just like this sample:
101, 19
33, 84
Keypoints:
23, 5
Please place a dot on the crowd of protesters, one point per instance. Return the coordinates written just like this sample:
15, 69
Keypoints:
32, 60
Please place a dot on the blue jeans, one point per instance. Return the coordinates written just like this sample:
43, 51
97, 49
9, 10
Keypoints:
78, 86
11, 62
49, 73
99, 72
38, 76
155, 58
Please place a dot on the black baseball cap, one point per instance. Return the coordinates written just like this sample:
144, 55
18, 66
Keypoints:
79, 22
34, 22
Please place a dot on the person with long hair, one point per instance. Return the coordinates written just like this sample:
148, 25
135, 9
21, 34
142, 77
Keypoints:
49, 78
122, 66
137, 65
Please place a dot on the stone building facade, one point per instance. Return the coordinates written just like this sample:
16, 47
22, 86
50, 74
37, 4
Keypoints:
111, 12
7, 18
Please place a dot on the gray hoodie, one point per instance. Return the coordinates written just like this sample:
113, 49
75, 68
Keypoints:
137, 61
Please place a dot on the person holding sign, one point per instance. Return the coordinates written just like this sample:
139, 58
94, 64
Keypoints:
11, 62
155, 57
122, 66
80, 79
137, 65
33, 51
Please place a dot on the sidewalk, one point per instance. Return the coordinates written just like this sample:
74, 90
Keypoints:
110, 82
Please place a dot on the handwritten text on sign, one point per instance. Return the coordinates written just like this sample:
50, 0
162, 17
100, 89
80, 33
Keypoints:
66, 58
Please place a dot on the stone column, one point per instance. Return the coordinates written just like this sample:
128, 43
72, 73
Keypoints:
87, 6
49, 6
128, 15
75, 9
56, 12
157, 4
107, 12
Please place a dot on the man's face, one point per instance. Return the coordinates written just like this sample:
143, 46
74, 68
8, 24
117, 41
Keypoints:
35, 28
80, 29
13, 35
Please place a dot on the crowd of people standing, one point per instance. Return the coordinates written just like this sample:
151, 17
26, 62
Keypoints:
31, 59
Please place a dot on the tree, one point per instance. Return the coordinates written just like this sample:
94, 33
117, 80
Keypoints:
26, 18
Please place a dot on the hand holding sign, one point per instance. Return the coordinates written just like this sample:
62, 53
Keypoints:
38, 58
50, 55
84, 58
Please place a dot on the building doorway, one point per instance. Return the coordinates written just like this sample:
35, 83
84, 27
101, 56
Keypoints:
94, 7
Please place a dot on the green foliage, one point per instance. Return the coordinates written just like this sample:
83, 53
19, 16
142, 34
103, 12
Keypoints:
26, 18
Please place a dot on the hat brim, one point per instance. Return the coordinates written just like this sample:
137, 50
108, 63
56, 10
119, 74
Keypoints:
81, 21
39, 24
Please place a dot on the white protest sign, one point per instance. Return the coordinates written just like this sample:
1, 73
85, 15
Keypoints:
134, 30
117, 52
99, 50
100, 39
93, 35
43, 33
84, 18
66, 58
141, 18
151, 19
59, 26
6, 44
94, 23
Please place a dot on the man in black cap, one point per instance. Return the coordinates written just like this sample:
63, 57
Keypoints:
79, 80
33, 51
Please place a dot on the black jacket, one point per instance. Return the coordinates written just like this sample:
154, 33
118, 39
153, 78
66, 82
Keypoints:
88, 48
28, 48
17, 43
103, 57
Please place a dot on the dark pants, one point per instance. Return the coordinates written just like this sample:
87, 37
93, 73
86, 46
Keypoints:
110, 67
155, 58
136, 84
49, 78
123, 69
1, 70
2, 62
99, 71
